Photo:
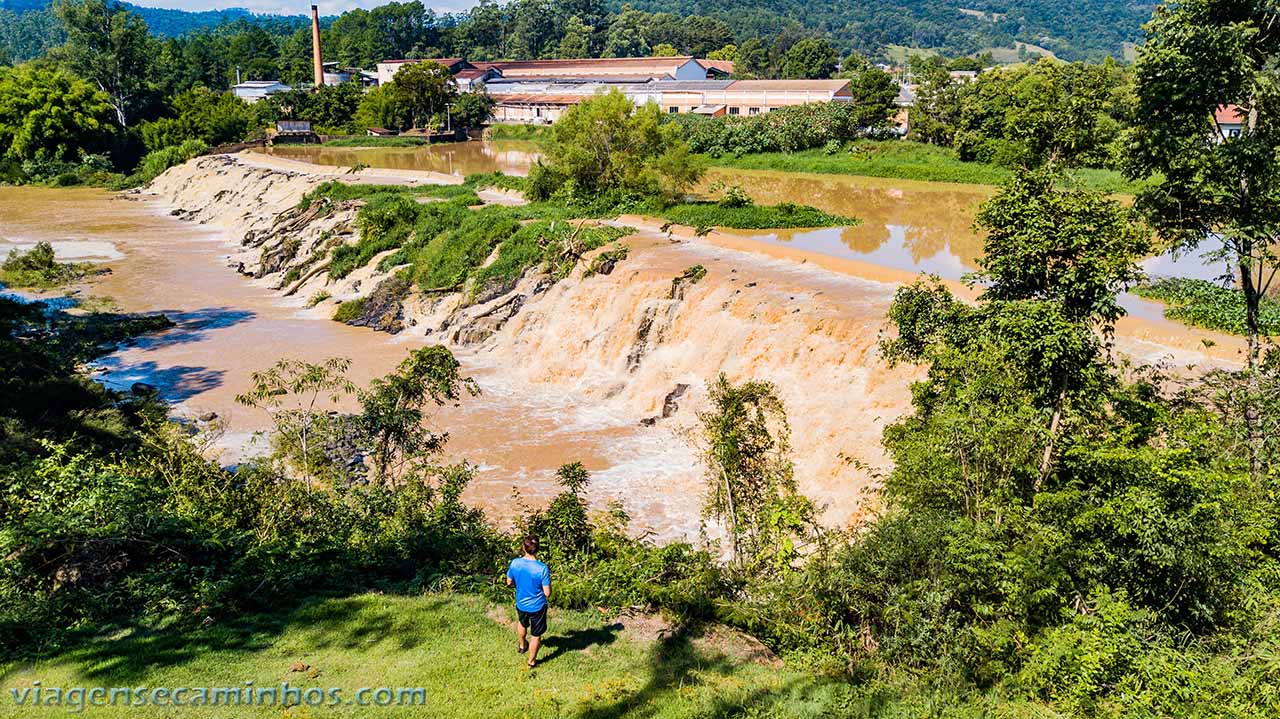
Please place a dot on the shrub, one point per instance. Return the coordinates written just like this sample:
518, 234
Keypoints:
349, 310
1204, 304
37, 267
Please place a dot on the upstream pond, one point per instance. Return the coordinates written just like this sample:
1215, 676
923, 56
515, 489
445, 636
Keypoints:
905, 224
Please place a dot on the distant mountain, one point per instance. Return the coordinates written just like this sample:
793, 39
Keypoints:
172, 23
1071, 29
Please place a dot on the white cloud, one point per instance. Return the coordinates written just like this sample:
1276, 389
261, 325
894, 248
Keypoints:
281, 7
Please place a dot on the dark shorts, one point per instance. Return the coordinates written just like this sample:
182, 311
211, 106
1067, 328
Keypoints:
535, 622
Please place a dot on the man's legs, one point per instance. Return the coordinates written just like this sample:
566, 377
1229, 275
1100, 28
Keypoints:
537, 627
520, 630
534, 643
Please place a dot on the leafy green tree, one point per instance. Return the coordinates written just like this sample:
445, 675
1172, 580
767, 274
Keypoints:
728, 52
576, 41
423, 90
626, 35
607, 144
110, 46
381, 108
1074, 249
1047, 112
295, 394
665, 50
392, 413
753, 58
810, 59
472, 109
214, 118
750, 479
49, 114
1207, 64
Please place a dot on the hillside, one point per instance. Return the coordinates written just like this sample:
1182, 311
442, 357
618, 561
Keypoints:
1086, 29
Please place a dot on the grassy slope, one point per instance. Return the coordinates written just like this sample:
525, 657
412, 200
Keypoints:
910, 161
446, 643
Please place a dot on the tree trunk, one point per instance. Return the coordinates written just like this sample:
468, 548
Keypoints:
1252, 412
733, 515
1046, 460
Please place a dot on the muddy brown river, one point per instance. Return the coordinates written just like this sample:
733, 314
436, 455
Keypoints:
549, 412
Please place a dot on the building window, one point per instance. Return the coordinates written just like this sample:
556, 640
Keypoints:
753, 111
673, 110
1233, 132
733, 111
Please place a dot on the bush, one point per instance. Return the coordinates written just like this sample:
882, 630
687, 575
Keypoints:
1204, 304
157, 161
787, 129
37, 267
349, 310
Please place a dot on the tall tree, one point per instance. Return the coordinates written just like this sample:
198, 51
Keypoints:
1206, 65
50, 114
423, 89
810, 59
110, 46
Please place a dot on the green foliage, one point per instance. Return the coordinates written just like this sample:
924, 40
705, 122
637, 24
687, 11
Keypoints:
471, 109
910, 160
372, 141
37, 268
749, 478
157, 161
391, 418
384, 224
1205, 60
317, 298
214, 118
423, 91
750, 217
109, 46
607, 145
329, 108
349, 310
47, 114
1073, 248
1201, 303
809, 59
787, 129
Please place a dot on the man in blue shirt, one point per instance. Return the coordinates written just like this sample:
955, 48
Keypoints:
532, 580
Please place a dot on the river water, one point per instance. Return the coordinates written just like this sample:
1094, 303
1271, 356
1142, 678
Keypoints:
520, 428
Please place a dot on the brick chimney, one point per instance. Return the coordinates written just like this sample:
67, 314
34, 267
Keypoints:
315, 45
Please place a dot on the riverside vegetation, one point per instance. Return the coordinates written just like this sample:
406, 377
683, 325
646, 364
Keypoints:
1095, 545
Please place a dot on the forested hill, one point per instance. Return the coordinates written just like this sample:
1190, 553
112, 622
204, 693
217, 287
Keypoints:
173, 23
1079, 29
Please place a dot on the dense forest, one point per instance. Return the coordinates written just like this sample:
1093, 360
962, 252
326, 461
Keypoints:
539, 28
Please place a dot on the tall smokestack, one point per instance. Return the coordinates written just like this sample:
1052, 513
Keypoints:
315, 45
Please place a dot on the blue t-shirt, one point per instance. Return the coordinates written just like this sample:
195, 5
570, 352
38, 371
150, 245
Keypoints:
529, 576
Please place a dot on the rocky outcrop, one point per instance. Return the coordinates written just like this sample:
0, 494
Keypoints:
383, 309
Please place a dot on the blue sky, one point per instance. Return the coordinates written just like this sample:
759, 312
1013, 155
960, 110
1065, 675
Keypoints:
296, 7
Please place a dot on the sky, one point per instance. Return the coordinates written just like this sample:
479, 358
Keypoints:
297, 7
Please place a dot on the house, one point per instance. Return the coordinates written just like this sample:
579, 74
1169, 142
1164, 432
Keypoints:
1229, 120
544, 102
717, 69
474, 78
381, 132
255, 90
614, 69
387, 69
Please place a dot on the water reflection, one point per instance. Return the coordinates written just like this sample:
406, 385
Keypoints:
454, 158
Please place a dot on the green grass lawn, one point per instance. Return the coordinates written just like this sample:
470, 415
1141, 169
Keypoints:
906, 160
451, 645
